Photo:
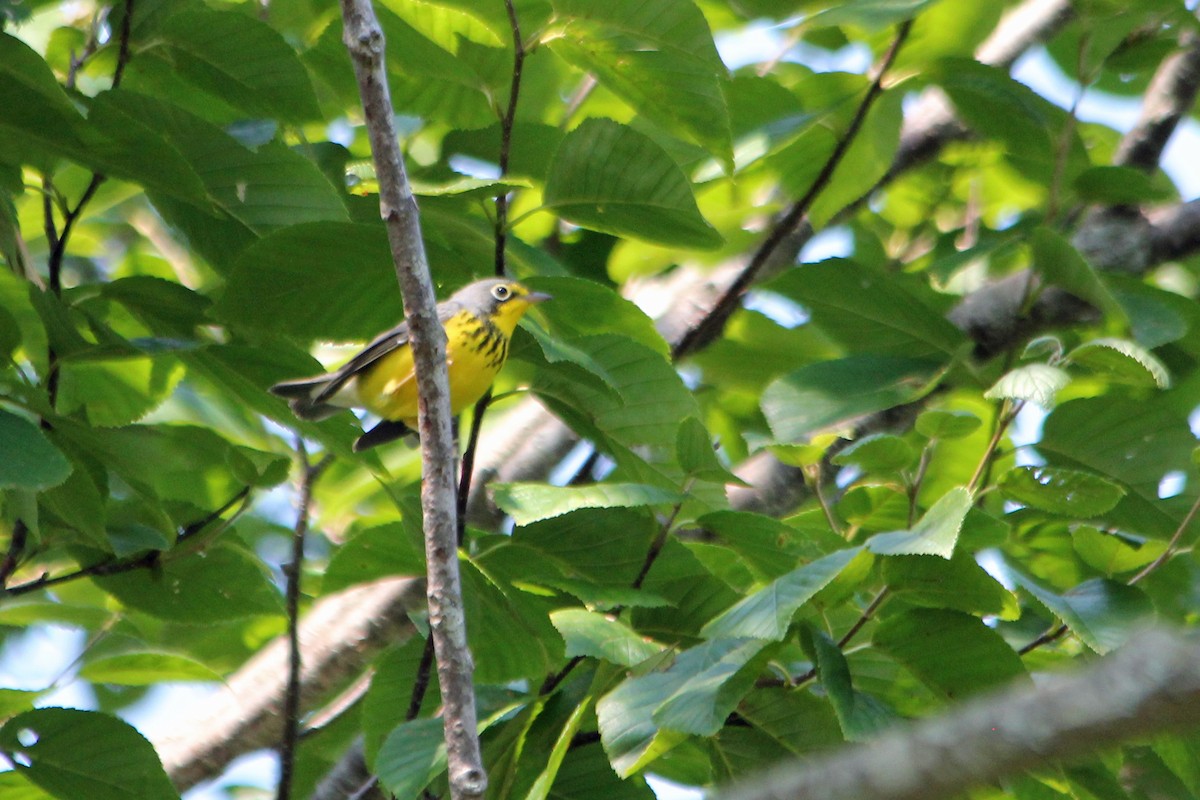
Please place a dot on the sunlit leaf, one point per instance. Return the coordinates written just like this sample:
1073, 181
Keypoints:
1123, 361
610, 178
530, 502
1061, 491
768, 613
590, 634
935, 533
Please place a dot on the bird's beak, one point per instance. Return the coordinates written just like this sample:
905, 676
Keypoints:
533, 298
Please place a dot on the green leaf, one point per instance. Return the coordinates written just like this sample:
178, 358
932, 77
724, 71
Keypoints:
530, 502
30, 460
1061, 265
341, 283
1113, 553
869, 14
1133, 443
938, 424
128, 147
767, 613
586, 308
186, 463
146, 669
413, 754
878, 453
85, 754
833, 394
628, 731
240, 59
658, 56
378, 552
1122, 361
1114, 185
859, 714
959, 583
263, 189
1102, 613
935, 534
717, 676
1036, 383
221, 583
993, 103
603, 546
650, 401
14, 701
562, 745
386, 702
768, 547
1061, 491
953, 653
118, 392
608, 177
600, 636
509, 629
871, 311
698, 458
38, 117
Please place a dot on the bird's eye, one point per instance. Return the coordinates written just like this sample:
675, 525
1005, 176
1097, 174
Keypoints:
501, 292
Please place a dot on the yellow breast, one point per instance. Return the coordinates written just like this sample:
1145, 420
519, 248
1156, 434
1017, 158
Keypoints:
475, 352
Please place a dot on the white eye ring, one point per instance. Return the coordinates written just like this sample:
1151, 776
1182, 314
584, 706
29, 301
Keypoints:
500, 292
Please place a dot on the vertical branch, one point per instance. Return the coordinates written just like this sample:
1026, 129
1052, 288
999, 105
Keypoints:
506, 126
467, 469
363, 38
57, 242
293, 572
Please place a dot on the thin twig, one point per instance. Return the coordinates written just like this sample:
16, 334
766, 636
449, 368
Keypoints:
1003, 420
293, 571
421, 683
467, 467
914, 488
656, 546
116, 566
506, 126
1045, 638
56, 241
708, 327
865, 617
660, 540
815, 478
1171, 545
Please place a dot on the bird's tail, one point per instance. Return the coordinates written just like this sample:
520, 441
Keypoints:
300, 394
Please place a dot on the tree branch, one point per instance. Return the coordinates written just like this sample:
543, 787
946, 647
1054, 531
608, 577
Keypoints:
115, 566
338, 635
714, 322
1170, 95
363, 37
294, 571
531, 441
1149, 686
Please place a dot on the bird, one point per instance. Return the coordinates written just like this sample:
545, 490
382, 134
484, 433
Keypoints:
479, 320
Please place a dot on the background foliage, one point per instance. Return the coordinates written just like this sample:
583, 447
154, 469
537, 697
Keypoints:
184, 212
